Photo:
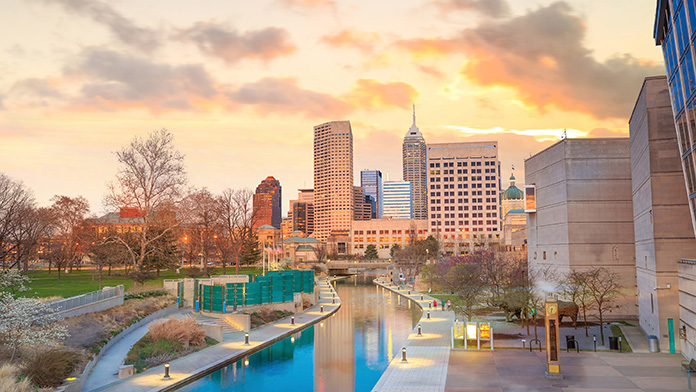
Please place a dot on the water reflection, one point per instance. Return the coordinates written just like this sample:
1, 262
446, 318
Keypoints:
349, 352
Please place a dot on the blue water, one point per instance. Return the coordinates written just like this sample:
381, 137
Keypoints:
347, 352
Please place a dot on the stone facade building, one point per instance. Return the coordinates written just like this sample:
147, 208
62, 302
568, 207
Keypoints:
584, 212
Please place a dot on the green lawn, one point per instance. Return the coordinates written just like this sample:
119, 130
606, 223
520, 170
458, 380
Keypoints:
44, 284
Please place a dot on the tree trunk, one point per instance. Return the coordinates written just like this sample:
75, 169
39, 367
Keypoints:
224, 268
59, 267
109, 270
49, 266
236, 268
584, 316
601, 324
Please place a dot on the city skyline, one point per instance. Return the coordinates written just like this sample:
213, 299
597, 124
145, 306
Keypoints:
238, 92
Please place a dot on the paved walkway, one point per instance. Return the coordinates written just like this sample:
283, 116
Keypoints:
231, 349
427, 355
636, 338
106, 370
520, 370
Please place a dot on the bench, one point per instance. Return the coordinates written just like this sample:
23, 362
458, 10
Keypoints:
690, 367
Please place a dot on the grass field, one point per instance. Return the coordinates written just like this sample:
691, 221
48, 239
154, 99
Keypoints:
44, 284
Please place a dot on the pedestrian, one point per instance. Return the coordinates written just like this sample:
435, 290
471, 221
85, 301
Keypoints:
435, 304
449, 304
442, 302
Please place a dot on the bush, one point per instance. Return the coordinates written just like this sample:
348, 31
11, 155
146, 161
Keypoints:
145, 294
48, 368
10, 379
185, 330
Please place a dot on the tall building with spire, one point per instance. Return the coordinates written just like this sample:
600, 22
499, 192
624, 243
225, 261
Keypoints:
415, 169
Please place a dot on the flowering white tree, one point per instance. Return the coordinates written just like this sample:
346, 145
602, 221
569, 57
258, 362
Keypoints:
28, 322
14, 281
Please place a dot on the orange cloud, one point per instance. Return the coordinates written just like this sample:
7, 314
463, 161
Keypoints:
370, 93
429, 47
308, 3
365, 42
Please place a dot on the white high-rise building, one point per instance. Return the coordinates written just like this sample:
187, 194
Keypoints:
415, 168
397, 203
333, 179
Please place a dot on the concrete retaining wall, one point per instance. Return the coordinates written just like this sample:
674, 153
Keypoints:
212, 331
89, 303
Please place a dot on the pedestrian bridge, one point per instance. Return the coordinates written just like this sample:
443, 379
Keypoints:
342, 267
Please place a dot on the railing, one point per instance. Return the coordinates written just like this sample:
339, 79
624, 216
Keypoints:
85, 299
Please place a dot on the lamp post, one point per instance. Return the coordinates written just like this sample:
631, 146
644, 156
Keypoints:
166, 371
246, 339
403, 354
419, 330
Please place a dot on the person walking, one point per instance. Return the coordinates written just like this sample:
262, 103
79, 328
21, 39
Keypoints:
449, 304
435, 304
442, 302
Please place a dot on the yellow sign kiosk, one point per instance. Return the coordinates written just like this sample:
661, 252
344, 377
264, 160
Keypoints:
553, 340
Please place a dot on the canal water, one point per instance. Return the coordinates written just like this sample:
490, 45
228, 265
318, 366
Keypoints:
349, 351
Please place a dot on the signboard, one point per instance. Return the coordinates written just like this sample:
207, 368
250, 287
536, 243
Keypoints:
529, 198
471, 331
485, 331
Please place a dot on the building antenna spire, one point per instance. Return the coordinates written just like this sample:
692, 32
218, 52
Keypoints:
414, 114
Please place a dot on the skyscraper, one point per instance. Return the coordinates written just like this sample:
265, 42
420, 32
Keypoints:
362, 205
302, 219
398, 201
371, 183
415, 168
464, 188
267, 203
333, 179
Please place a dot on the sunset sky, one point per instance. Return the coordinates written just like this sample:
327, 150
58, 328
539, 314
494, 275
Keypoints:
240, 84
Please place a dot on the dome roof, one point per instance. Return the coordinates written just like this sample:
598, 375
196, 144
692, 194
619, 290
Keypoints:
513, 193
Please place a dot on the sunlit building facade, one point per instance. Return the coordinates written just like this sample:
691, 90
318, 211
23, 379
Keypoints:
464, 186
333, 179
414, 154
267, 203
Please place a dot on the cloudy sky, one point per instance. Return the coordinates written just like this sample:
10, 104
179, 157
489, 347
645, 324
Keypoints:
241, 83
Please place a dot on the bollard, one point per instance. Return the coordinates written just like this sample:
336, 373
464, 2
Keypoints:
246, 339
594, 341
321, 308
430, 305
333, 300
403, 354
409, 292
620, 348
292, 320
428, 315
419, 330
166, 371
524, 343
421, 297
333, 295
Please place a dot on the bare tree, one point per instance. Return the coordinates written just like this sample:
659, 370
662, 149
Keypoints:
321, 253
603, 285
30, 226
203, 217
14, 198
237, 218
465, 279
574, 288
68, 215
150, 180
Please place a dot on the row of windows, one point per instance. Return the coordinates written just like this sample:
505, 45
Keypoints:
473, 215
460, 164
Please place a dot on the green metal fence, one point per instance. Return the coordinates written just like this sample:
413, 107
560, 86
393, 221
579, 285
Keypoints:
278, 286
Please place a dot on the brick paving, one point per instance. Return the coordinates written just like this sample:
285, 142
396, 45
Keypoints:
232, 348
427, 355
521, 370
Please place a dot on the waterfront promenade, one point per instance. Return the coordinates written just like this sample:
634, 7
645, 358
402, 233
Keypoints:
427, 356
231, 349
